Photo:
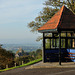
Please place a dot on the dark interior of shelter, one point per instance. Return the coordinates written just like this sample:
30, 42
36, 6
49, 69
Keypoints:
52, 47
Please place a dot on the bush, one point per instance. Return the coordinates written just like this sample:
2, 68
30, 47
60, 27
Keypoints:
6, 58
25, 59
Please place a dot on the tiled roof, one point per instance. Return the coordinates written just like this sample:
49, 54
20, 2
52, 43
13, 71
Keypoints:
64, 18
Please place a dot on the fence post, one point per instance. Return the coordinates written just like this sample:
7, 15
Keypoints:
15, 64
6, 66
22, 62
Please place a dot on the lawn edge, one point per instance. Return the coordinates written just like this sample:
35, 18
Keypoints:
27, 64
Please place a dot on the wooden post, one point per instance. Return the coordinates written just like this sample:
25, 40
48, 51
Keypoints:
66, 42
15, 64
55, 43
6, 66
43, 48
52, 40
50, 43
22, 62
71, 40
59, 48
73, 43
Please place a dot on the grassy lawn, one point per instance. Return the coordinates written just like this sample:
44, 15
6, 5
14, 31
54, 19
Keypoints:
29, 63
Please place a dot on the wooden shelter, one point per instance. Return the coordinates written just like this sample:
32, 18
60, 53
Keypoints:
58, 37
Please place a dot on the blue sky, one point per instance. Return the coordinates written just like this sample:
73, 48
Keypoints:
14, 17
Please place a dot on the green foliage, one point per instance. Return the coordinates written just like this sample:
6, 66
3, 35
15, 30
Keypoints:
36, 54
25, 59
47, 45
44, 16
58, 3
6, 57
32, 54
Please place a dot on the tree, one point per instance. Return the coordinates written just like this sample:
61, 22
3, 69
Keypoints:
25, 59
38, 53
44, 16
52, 6
58, 3
6, 58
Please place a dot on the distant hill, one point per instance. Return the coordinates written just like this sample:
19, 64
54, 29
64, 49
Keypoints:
15, 47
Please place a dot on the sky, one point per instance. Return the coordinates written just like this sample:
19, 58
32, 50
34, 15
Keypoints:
14, 17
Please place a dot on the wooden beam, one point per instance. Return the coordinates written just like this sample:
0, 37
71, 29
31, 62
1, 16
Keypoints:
71, 40
66, 41
44, 47
55, 43
53, 40
50, 43
58, 37
59, 48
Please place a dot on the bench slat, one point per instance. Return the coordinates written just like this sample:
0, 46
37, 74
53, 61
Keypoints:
71, 53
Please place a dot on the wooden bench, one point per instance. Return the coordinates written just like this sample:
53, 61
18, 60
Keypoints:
71, 56
71, 53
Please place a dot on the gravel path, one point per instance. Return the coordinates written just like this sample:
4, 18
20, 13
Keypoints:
40, 71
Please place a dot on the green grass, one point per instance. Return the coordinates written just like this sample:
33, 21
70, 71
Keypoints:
29, 63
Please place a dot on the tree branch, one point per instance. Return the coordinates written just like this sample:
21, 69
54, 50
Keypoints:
69, 4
